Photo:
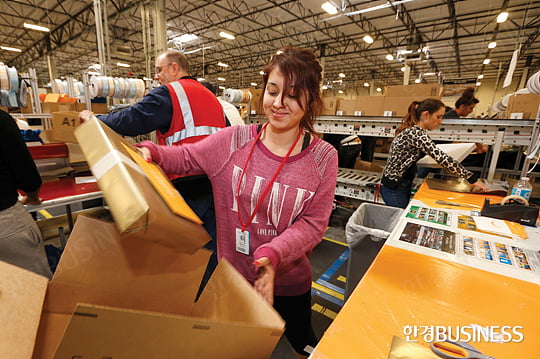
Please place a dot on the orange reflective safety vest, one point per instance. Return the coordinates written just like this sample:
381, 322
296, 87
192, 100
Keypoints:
196, 113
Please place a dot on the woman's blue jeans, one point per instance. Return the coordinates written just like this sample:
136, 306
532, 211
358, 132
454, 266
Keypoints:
398, 197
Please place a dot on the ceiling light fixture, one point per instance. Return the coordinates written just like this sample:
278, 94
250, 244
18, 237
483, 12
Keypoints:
185, 38
221, 87
341, 74
261, 72
329, 8
36, 27
221, 79
366, 84
121, 64
368, 39
403, 69
502, 17
324, 87
389, 57
379, 89
492, 45
201, 79
478, 83
226, 35
480, 77
486, 61
418, 80
340, 91
7, 48
222, 64
253, 84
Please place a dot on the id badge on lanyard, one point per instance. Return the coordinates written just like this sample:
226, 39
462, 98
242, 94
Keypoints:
242, 241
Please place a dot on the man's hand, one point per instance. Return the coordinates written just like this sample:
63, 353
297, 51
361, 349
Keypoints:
85, 115
264, 284
31, 198
479, 186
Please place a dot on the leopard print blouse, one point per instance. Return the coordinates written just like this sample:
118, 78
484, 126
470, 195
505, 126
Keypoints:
407, 148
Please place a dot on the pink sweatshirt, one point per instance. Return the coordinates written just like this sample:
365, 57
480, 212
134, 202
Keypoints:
294, 214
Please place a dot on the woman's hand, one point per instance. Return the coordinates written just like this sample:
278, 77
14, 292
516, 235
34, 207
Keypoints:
145, 153
479, 186
31, 198
264, 284
85, 115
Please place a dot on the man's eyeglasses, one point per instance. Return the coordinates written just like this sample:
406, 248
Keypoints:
160, 68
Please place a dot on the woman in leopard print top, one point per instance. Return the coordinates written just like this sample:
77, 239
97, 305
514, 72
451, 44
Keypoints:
410, 144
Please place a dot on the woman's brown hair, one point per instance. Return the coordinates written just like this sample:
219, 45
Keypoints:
303, 75
467, 98
415, 110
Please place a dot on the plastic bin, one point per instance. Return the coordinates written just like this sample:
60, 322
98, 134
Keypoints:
370, 220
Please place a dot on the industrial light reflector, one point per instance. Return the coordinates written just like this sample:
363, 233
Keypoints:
7, 48
36, 27
492, 45
486, 61
222, 64
221, 79
226, 35
366, 84
503, 16
329, 8
121, 64
368, 39
389, 57
341, 74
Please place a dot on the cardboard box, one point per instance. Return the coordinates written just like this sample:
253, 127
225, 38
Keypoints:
421, 91
527, 104
63, 125
138, 303
398, 105
348, 107
370, 105
254, 102
98, 108
367, 166
141, 199
330, 106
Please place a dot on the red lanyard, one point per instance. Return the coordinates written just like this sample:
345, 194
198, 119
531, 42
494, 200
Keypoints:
242, 224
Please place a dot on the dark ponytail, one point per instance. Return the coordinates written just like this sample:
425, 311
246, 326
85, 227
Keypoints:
415, 110
467, 98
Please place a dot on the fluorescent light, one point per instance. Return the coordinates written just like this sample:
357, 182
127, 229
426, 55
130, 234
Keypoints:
492, 45
227, 35
417, 81
121, 64
340, 91
201, 79
261, 72
185, 38
403, 69
366, 84
389, 57
94, 73
221, 87
429, 74
486, 61
324, 87
36, 27
478, 83
480, 77
222, 64
279, 52
379, 89
368, 39
341, 74
7, 48
253, 84
503, 16
329, 8
221, 79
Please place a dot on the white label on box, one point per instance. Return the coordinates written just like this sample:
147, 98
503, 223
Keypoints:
253, 112
357, 113
516, 115
388, 113
339, 113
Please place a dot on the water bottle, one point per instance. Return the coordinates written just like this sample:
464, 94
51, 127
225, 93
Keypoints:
523, 188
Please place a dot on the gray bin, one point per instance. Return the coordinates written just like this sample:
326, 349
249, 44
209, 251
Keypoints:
370, 220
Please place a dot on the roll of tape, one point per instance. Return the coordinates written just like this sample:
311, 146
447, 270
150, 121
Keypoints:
141, 86
23, 93
4, 79
516, 198
111, 87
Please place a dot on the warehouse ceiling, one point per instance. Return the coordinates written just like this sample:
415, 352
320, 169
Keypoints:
448, 38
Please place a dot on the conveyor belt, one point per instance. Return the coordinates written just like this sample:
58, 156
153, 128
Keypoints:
357, 184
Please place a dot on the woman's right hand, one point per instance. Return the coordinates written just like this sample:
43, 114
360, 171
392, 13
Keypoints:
479, 186
145, 153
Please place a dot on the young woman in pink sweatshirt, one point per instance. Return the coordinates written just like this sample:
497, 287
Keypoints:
273, 188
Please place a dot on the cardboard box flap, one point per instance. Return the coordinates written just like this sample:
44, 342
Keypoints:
139, 196
235, 300
123, 271
125, 334
21, 299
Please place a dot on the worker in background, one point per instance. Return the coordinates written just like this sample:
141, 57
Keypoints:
231, 112
180, 111
410, 143
276, 183
21, 243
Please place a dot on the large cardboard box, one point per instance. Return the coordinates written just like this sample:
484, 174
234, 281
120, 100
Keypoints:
398, 105
51, 107
117, 296
527, 104
141, 199
349, 107
371, 105
330, 106
63, 126
254, 102
99, 108
421, 91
